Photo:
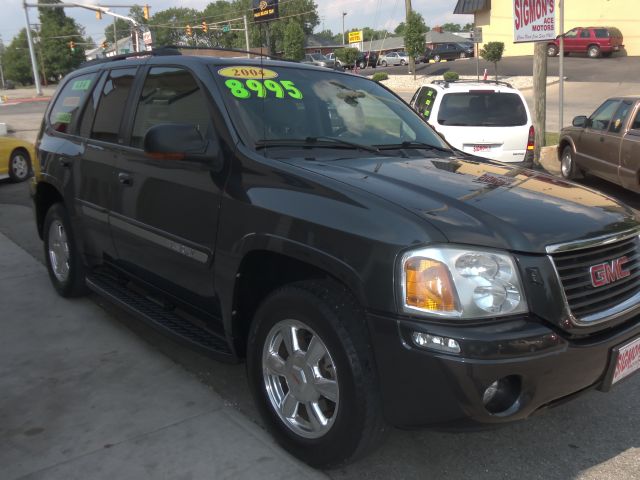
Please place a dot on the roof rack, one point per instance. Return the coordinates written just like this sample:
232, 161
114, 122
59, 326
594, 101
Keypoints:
487, 82
161, 51
220, 49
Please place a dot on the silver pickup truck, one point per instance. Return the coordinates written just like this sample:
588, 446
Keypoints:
606, 144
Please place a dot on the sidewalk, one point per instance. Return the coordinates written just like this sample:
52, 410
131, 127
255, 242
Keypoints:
81, 397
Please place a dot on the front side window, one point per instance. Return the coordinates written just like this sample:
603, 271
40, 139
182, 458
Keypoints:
482, 109
169, 95
636, 121
288, 103
620, 116
572, 33
601, 118
67, 104
112, 104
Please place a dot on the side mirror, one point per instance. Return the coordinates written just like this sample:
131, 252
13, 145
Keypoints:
174, 141
580, 121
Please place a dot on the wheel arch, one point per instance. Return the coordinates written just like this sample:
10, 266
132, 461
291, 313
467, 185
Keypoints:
270, 262
45, 196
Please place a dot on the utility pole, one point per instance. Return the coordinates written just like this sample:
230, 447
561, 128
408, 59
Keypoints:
561, 68
344, 14
246, 34
32, 53
412, 61
540, 98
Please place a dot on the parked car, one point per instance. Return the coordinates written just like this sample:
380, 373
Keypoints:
393, 58
319, 60
605, 144
16, 157
594, 41
487, 119
332, 56
365, 59
309, 222
447, 51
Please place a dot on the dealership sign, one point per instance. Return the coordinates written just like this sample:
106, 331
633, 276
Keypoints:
534, 20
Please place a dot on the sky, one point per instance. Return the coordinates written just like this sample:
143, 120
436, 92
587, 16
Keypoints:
377, 14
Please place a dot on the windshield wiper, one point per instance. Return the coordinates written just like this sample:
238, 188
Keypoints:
321, 142
406, 144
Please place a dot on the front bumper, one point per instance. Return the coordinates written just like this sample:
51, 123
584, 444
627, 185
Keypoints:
423, 387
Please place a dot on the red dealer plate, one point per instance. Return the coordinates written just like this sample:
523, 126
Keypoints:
627, 362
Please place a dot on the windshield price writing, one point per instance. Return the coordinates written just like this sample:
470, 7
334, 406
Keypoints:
243, 89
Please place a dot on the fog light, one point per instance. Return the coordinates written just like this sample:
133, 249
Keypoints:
434, 342
502, 396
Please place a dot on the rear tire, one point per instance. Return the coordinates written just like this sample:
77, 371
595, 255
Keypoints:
552, 50
384, 63
568, 167
436, 58
312, 373
607, 54
463, 55
61, 254
403, 63
19, 165
593, 51
362, 65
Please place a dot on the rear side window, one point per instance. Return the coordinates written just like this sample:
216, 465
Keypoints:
482, 109
585, 34
113, 101
602, 33
169, 95
67, 104
424, 102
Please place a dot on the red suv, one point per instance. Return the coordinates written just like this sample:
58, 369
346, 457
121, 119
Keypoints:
594, 41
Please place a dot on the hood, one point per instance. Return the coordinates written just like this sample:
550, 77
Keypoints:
485, 204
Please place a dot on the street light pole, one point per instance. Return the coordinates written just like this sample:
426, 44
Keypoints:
343, 15
412, 61
32, 53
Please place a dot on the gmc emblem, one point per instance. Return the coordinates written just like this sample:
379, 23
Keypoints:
606, 273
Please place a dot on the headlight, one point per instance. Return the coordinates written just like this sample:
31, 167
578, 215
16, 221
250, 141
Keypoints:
461, 283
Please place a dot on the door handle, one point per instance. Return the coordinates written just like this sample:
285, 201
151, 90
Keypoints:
125, 179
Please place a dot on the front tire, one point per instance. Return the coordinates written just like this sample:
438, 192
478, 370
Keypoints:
463, 55
312, 374
19, 165
384, 63
436, 58
62, 257
568, 167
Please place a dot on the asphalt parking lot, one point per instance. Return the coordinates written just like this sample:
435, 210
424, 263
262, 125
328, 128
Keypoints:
593, 437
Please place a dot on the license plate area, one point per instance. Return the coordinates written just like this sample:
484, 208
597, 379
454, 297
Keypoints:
624, 361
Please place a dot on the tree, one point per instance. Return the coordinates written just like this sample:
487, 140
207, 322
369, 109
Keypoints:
327, 35
294, 41
56, 31
414, 41
168, 26
451, 27
347, 55
492, 52
468, 27
399, 30
303, 12
123, 27
16, 61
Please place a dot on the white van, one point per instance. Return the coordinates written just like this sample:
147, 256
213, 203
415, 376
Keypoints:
487, 119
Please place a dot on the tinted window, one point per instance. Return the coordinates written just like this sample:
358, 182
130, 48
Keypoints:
620, 117
169, 95
636, 121
485, 109
424, 102
602, 116
572, 33
67, 104
601, 33
113, 101
585, 34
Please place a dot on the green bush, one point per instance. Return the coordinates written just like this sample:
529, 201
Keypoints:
450, 76
347, 55
378, 77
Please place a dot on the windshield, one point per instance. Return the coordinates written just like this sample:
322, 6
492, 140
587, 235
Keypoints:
318, 56
292, 103
482, 109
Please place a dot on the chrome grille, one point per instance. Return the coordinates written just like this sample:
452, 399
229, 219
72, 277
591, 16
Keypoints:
573, 269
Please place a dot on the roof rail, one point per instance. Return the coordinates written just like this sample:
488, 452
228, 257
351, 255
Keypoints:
220, 49
114, 58
487, 82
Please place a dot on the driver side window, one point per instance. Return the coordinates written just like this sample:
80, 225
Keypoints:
601, 118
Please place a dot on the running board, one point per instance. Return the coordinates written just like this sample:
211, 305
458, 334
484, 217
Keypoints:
164, 320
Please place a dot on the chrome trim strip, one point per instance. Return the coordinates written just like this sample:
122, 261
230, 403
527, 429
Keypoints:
94, 212
160, 240
592, 242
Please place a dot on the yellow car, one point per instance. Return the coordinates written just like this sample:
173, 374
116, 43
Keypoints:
16, 159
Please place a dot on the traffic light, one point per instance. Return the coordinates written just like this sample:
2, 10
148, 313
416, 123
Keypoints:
189, 31
72, 46
205, 27
145, 12
98, 15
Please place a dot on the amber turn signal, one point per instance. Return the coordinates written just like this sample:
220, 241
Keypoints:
429, 285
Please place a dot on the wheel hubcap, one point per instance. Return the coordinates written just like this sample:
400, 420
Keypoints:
59, 251
20, 166
300, 378
566, 165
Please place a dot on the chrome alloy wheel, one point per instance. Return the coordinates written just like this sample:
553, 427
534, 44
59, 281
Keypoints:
20, 166
566, 164
300, 378
59, 251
